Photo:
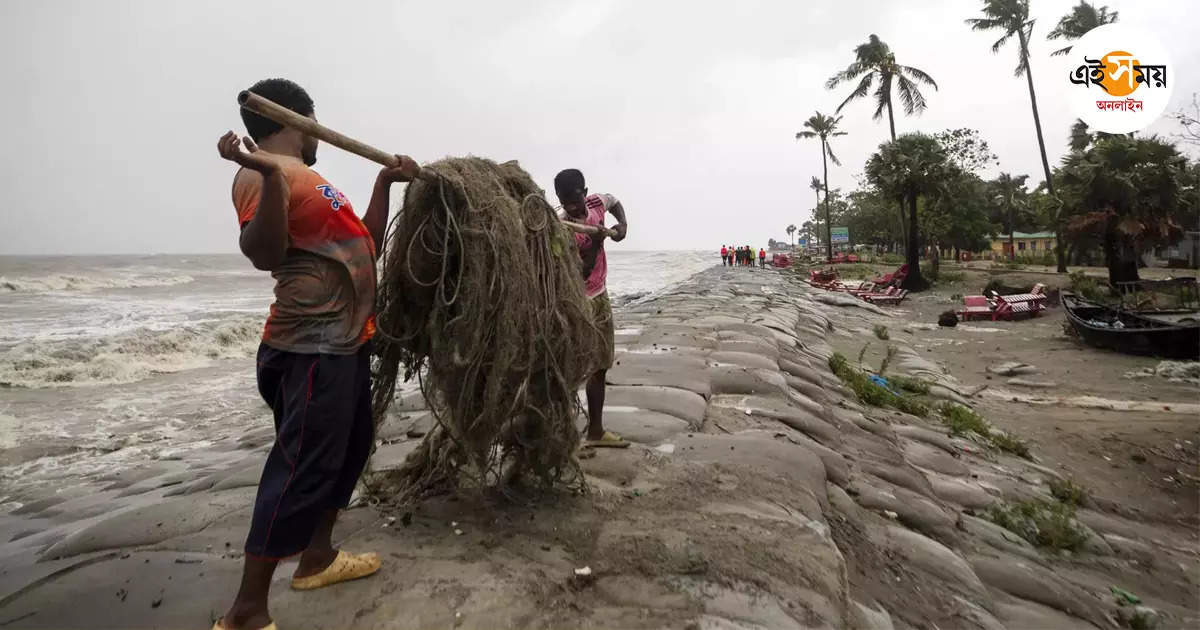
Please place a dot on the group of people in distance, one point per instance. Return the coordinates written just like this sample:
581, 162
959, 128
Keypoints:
742, 256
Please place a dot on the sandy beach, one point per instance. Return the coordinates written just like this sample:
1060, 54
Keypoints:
759, 493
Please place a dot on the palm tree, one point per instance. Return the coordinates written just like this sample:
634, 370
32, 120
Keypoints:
806, 228
791, 229
816, 185
1007, 190
1082, 18
913, 166
1012, 17
1080, 136
824, 127
875, 61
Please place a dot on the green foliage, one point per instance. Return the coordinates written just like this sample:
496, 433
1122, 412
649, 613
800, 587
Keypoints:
881, 332
891, 259
951, 276
870, 393
1127, 195
1082, 18
1088, 288
1043, 523
1068, 492
962, 421
1009, 443
967, 149
910, 384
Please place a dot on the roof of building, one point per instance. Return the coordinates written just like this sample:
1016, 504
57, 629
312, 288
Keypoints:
1025, 235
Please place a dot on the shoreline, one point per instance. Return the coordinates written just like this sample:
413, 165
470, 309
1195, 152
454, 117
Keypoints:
759, 492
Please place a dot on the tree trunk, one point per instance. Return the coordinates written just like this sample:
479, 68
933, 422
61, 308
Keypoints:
828, 224
892, 127
1121, 259
1012, 247
1059, 233
913, 281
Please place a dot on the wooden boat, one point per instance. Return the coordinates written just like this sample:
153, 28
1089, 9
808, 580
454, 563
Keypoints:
1131, 332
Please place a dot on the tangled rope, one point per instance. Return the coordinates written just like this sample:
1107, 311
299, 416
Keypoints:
480, 299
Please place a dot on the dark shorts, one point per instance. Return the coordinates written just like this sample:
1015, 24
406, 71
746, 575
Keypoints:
323, 437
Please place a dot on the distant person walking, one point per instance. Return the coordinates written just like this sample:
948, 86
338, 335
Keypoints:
762, 258
724, 256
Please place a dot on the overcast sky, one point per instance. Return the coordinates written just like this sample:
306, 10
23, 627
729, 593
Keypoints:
685, 110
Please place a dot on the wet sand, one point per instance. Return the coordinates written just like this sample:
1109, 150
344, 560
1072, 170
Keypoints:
759, 493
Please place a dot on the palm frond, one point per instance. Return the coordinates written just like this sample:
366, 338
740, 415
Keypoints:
805, 135
1003, 40
832, 158
864, 86
1061, 51
919, 75
910, 95
883, 96
852, 72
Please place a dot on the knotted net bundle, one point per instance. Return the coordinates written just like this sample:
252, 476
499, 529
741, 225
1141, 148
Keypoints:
480, 297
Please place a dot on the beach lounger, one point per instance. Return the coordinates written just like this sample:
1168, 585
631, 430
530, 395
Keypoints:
892, 298
1020, 305
893, 278
865, 287
975, 306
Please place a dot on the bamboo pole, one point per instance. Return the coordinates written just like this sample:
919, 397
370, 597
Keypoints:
288, 118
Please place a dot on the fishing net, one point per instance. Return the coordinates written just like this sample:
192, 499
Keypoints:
480, 299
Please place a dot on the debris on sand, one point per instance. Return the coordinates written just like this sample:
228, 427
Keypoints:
1173, 371
948, 319
1011, 368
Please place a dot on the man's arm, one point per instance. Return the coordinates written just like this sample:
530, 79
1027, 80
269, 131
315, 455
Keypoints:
376, 218
590, 253
618, 211
264, 238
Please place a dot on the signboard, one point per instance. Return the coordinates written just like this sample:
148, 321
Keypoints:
803, 242
839, 235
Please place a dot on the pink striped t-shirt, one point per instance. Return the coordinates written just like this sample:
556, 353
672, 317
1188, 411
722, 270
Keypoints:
598, 205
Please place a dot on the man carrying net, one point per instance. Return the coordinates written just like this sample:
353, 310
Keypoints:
313, 369
580, 207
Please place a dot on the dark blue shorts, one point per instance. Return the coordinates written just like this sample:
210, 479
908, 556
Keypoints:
323, 437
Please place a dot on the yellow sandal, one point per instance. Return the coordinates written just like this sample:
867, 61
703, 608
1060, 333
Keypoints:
270, 626
345, 567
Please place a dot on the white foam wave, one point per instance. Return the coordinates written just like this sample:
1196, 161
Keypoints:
77, 282
130, 356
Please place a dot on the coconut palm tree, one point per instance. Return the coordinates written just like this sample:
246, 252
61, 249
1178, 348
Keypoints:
791, 229
1012, 17
913, 166
824, 127
1082, 18
816, 185
875, 61
1010, 192
1080, 136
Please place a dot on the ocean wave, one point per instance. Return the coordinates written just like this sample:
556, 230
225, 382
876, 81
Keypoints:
128, 357
73, 282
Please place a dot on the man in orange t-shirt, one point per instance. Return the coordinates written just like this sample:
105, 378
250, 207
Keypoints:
313, 364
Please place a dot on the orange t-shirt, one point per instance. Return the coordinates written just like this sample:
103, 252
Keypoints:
325, 288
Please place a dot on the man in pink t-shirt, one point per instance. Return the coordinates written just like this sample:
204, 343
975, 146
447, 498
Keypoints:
581, 207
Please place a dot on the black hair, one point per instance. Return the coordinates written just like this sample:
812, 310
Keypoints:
569, 183
283, 92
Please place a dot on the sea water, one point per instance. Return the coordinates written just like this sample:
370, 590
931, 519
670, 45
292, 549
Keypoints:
109, 362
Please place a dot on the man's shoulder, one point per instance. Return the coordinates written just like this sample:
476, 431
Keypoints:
601, 199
